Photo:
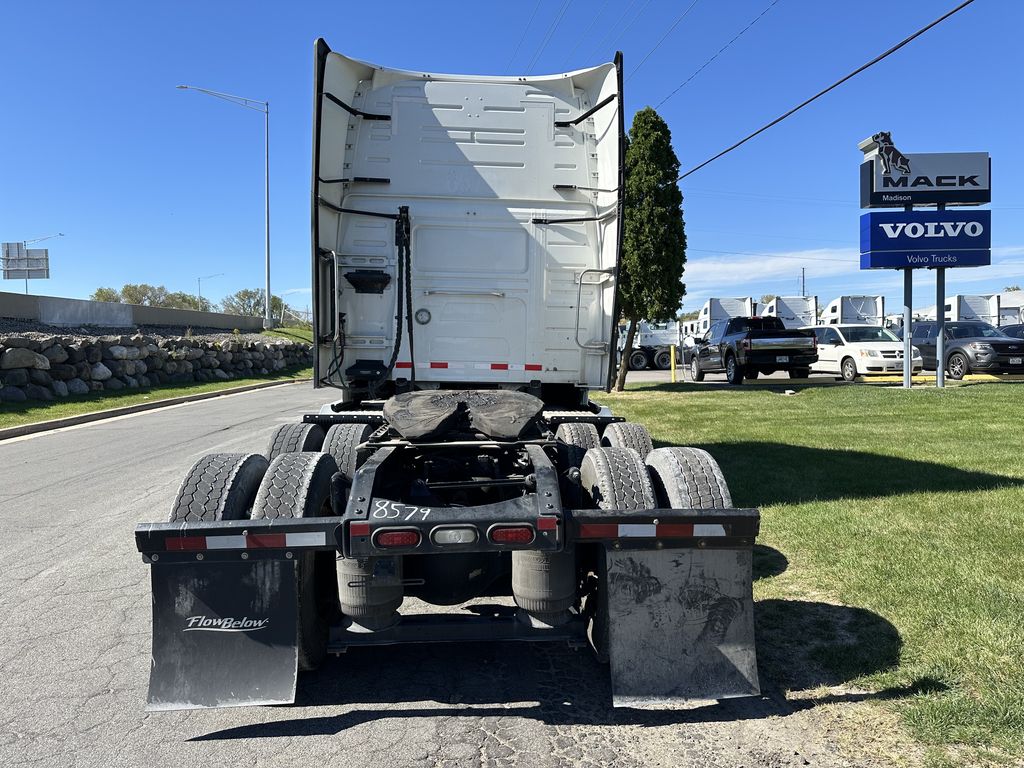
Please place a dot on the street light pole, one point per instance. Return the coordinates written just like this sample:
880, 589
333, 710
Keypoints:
200, 281
264, 107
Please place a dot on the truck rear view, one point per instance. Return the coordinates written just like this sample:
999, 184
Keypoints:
465, 253
466, 227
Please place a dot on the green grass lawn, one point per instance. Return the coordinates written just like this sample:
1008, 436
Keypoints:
15, 414
292, 334
892, 533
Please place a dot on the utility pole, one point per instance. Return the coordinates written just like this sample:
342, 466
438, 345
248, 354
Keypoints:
803, 281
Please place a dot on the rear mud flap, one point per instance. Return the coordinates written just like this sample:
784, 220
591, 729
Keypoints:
224, 634
681, 626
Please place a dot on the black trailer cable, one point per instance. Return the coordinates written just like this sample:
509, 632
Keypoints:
406, 253
400, 241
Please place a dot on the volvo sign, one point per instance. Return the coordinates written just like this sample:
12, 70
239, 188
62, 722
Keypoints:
915, 239
892, 179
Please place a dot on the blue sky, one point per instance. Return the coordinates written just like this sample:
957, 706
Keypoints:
152, 184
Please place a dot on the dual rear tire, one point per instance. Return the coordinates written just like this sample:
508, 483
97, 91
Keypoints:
227, 486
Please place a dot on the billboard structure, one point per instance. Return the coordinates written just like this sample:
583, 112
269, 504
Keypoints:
21, 263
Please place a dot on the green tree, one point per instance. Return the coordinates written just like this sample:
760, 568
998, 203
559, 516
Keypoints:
767, 299
106, 294
152, 296
144, 294
654, 240
250, 302
1010, 288
182, 300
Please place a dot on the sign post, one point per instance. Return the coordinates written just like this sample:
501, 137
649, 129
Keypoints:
918, 239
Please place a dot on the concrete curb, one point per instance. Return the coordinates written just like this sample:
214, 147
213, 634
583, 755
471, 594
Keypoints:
109, 413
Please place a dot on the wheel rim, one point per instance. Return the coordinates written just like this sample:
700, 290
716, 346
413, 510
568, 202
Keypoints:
730, 368
638, 361
956, 366
694, 368
849, 371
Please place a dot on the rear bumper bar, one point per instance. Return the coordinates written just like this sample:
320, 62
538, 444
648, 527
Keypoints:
279, 539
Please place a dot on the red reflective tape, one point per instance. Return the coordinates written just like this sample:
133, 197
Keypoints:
439, 365
534, 367
499, 366
186, 542
266, 541
547, 523
403, 365
359, 528
599, 531
675, 530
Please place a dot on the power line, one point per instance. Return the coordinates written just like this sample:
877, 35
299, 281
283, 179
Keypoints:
834, 85
615, 26
508, 67
590, 26
664, 37
719, 53
547, 37
626, 28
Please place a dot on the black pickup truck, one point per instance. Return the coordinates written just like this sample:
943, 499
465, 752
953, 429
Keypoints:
746, 346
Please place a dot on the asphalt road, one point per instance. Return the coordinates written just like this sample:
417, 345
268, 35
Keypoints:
74, 644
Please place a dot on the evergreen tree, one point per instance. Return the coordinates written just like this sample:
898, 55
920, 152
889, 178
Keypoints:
654, 241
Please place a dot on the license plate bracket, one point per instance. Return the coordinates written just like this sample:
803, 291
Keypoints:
1017, 361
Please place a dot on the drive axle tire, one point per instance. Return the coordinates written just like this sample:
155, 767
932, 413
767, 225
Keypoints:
751, 373
696, 374
574, 440
295, 438
687, 478
733, 371
637, 360
220, 486
613, 478
625, 434
342, 442
616, 478
800, 373
663, 360
299, 485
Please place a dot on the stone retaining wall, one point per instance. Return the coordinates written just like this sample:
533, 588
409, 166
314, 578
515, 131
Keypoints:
40, 367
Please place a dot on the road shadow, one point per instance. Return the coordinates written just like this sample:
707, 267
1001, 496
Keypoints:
801, 645
773, 385
793, 474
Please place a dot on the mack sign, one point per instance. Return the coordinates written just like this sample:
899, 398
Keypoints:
890, 178
915, 239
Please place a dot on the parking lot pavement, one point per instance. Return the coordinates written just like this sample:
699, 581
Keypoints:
75, 643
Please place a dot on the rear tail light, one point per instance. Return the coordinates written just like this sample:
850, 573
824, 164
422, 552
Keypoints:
400, 539
511, 534
454, 536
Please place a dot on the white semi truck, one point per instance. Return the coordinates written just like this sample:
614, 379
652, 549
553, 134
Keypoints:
652, 345
716, 309
974, 307
793, 311
854, 310
466, 235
